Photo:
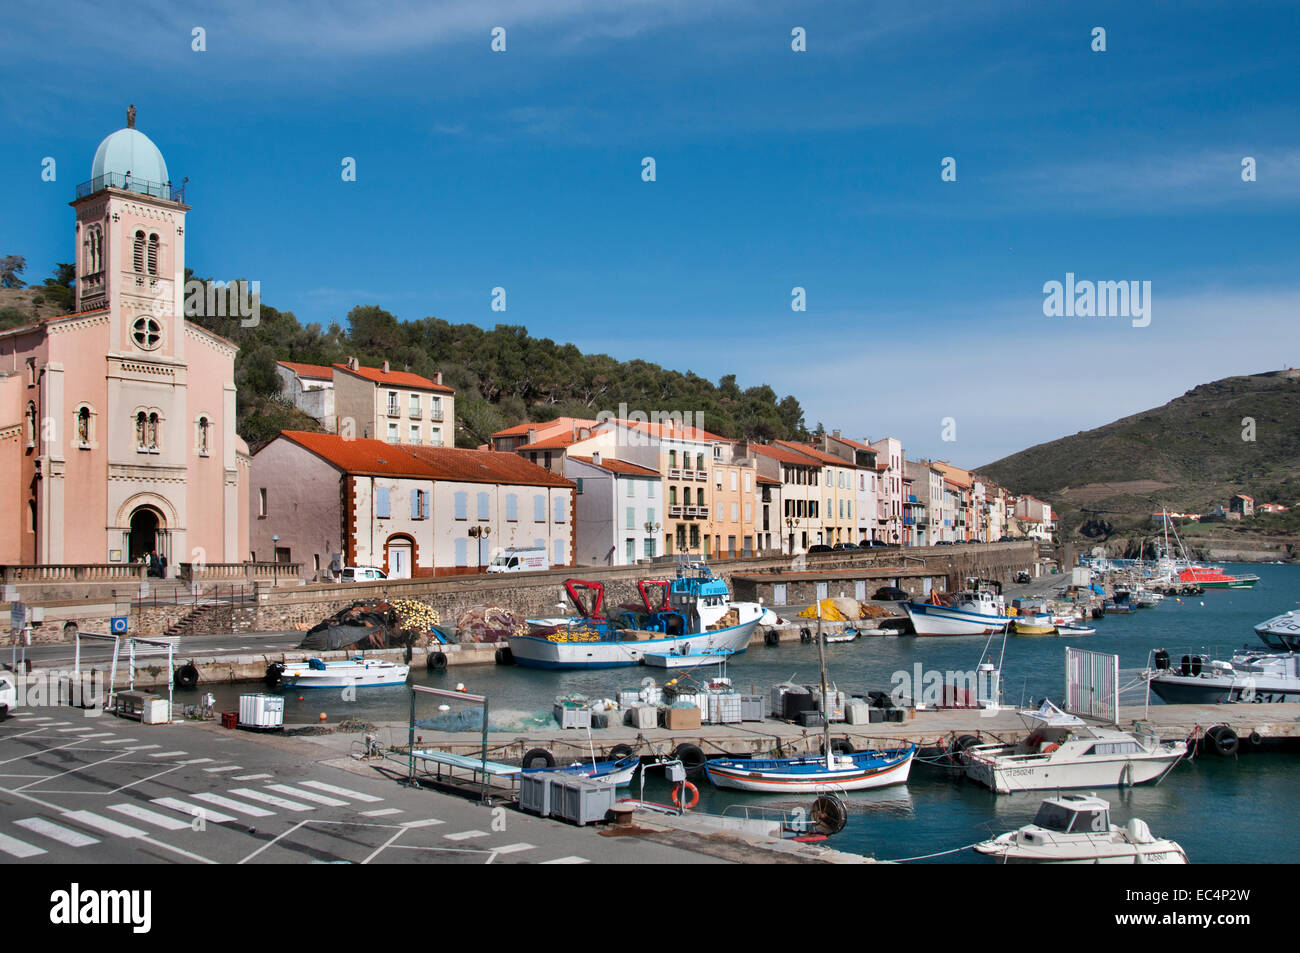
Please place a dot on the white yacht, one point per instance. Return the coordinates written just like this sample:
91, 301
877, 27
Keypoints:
1076, 829
1064, 751
357, 672
1247, 677
1281, 633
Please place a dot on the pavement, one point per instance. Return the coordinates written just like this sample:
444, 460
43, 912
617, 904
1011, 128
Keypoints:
237, 643
90, 788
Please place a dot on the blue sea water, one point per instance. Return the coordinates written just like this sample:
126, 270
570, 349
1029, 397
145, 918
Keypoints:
1236, 810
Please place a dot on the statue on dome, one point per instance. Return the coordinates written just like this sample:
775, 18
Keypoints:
130, 116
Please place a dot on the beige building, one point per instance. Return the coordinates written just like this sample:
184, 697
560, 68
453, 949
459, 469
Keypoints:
393, 406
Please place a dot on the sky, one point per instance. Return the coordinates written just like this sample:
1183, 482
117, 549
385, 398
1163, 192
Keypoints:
775, 169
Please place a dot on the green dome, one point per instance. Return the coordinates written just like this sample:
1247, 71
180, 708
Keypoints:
128, 159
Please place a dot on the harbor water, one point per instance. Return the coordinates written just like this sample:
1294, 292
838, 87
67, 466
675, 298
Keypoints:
1233, 810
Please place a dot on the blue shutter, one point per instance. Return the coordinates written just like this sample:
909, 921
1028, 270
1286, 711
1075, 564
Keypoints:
425, 514
462, 552
512, 506
484, 506
462, 506
559, 509
415, 504
539, 509
381, 501
559, 553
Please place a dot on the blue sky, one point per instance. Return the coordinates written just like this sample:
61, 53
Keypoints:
775, 169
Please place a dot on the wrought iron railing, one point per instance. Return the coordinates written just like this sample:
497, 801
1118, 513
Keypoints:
121, 180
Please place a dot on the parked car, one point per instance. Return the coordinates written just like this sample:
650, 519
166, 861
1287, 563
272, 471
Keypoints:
1004, 539
844, 546
8, 695
875, 544
890, 594
1022, 576
819, 548
944, 542
361, 574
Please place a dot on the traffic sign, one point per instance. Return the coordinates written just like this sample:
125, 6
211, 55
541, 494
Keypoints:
117, 625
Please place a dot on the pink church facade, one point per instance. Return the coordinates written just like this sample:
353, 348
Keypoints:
117, 422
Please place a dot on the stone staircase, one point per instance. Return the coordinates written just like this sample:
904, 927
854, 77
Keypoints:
192, 622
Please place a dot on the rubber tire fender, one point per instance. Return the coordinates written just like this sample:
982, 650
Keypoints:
504, 656
436, 661
691, 756
542, 753
187, 676
619, 752
771, 637
1223, 741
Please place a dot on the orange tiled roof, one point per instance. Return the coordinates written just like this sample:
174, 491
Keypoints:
49, 319
784, 455
521, 430
617, 466
809, 450
377, 458
557, 442
314, 371
669, 432
395, 378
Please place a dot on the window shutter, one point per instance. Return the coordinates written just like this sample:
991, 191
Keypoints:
539, 509
381, 501
425, 514
484, 506
415, 504
462, 505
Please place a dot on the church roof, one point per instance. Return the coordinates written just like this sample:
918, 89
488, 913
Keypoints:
128, 159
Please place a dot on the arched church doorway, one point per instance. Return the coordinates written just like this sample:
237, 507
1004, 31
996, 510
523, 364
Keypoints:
145, 523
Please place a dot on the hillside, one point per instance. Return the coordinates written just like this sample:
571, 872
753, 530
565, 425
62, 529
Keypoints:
503, 376
1189, 455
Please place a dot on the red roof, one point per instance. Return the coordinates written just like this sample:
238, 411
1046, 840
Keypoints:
810, 451
855, 445
669, 431
617, 466
377, 458
784, 455
48, 319
395, 378
769, 480
314, 371
557, 442
521, 430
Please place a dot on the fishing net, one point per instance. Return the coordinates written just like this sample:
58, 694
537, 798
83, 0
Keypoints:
487, 624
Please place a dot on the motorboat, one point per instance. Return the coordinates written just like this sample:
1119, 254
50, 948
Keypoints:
1282, 632
1246, 677
1074, 628
619, 772
969, 612
1064, 751
1041, 624
1076, 829
357, 672
678, 659
691, 614
1213, 577
856, 771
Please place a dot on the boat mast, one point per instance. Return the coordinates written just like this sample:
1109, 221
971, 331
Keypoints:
826, 715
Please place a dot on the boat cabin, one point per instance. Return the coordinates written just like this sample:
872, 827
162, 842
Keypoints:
1074, 814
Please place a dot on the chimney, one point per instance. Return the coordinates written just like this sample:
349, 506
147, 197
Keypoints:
385, 367
835, 434
352, 364
437, 377
595, 458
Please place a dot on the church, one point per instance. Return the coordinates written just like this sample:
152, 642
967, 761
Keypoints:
117, 422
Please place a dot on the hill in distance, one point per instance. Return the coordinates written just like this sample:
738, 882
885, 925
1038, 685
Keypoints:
1191, 454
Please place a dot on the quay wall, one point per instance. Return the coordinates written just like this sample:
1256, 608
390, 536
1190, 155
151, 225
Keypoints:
283, 608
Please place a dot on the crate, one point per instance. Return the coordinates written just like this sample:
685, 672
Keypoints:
893, 714
681, 719
832, 705
584, 801
642, 717
652, 696
857, 713
724, 709
627, 699
229, 719
751, 707
811, 719
261, 712
535, 793
569, 717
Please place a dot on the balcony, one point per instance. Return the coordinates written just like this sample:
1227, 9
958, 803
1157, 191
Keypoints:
701, 475
415, 413
674, 473
435, 415
675, 510
119, 180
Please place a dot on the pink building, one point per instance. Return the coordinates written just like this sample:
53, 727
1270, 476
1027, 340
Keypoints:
117, 422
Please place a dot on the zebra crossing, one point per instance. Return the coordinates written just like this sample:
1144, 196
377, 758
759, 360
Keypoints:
234, 799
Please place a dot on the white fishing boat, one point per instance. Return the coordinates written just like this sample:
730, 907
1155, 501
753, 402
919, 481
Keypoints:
970, 612
669, 659
694, 616
1064, 751
1076, 829
358, 672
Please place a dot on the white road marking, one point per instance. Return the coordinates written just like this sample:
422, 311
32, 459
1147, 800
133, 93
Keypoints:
237, 806
382, 812
143, 747
271, 799
74, 731
16, 848
149, 817
343, 792
120, 741
251, 777
107, 825
229, 767
465, 835
514, 848
168, 754
568, 860
425, 823
63, 835
99, 734
193, 810
192, 760
308, 795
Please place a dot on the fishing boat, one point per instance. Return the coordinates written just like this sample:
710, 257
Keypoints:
688, 615
357, 672
1282, 632
1076, 829
1246, 677
687, 659
969, 612
1064, 751
842, 770
619, 773
1074, 628
1040, 624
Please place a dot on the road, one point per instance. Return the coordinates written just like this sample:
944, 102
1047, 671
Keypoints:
95, 789
189, 645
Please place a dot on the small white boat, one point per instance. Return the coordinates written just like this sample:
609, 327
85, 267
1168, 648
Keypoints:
686, 659
1074, 628
846, 635
358, 672
1064, 751
855, 771
1076, 829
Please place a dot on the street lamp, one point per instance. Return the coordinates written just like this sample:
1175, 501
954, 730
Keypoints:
479, 533
652, 532
275, 560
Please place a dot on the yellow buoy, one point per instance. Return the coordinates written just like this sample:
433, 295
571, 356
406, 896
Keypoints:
323, 716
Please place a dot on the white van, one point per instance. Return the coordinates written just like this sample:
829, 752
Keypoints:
519, 560
361, 574
8, 694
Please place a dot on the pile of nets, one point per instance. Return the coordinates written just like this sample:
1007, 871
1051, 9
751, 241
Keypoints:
471, 719
414, 615
842, 609
362, 625
487, 624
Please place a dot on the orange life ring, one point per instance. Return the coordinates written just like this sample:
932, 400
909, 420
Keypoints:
695, 795
1049, 748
